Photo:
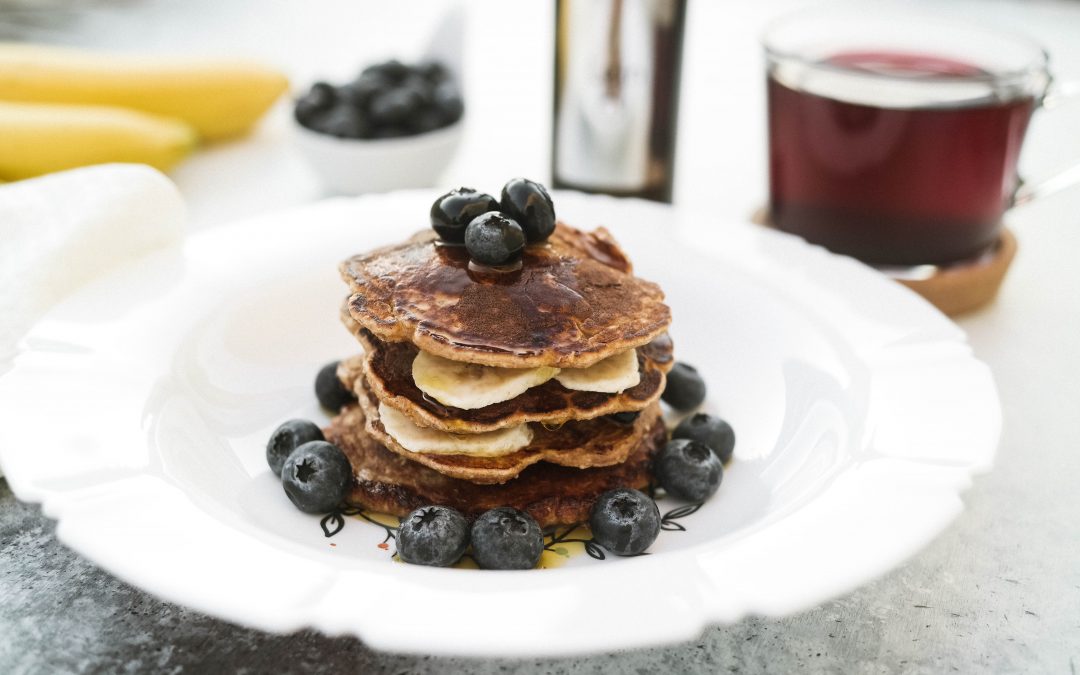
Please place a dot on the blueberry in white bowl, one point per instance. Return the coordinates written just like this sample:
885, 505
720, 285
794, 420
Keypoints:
447, 100
395, 108
319, 99
343, 122
390, 71
395, 125
389, 96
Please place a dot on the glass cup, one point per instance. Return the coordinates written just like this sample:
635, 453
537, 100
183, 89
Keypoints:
894, 137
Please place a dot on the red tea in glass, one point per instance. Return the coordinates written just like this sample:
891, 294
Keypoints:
893, 143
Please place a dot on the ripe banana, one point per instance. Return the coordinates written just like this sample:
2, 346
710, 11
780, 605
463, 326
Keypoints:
218, 98
469, 386
40, 139
433, 441
610, 376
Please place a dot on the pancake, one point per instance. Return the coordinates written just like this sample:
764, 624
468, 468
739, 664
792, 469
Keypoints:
589, 443
573, 302
554, 495
388, 370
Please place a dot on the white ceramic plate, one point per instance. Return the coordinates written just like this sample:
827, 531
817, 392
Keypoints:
138, 410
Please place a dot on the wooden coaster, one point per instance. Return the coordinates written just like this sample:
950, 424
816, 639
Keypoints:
965, 287
954, 289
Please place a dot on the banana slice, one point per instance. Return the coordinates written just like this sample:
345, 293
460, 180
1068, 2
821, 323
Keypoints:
435, 442
469, 386
610, 376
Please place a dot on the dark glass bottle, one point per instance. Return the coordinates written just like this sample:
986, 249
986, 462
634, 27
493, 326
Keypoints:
617, 65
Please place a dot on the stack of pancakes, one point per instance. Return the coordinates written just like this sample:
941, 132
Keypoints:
437, 331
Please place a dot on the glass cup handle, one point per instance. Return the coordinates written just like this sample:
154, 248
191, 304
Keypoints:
1055, 96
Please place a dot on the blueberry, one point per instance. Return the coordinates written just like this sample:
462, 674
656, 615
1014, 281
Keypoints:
424, 89
394, 106
331, 393
448, 102
506, 539
392, 131
626, 417
433, 535
361, 91
433, 71
712, 431
322, 94
452, 212
530, 205
685, 389
305, 113
343, 121
288, 437
624, 521
319, 98
425, 120
688, 470
316, 477
494, 239
392, 70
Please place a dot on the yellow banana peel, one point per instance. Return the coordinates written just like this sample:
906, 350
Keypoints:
36, 139
219, 98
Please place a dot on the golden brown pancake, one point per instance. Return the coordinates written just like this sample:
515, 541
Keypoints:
573, 302
388, 371
554, 495
589, 443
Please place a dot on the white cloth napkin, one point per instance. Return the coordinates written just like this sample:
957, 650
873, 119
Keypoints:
61, 230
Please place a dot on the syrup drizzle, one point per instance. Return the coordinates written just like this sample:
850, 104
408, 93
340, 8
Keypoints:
565, 296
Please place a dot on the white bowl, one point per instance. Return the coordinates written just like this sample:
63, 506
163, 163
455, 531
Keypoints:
358, 166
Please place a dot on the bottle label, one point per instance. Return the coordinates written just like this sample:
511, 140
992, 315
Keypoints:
605, 112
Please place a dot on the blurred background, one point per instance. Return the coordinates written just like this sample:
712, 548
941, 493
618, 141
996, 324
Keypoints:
721, 162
